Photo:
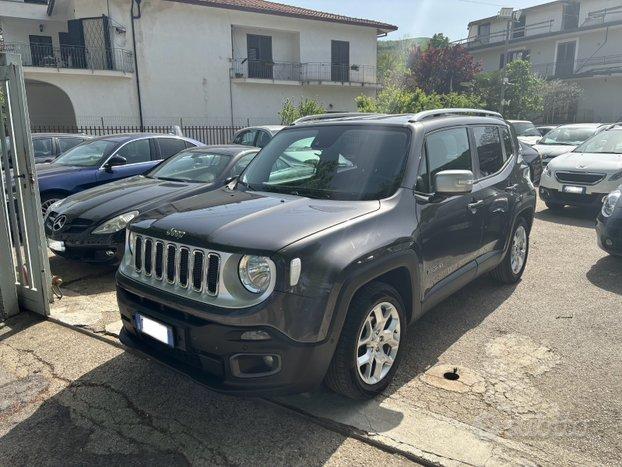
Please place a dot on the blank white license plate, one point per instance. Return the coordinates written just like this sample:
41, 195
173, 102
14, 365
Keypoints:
578, 190
160, 332
56, 245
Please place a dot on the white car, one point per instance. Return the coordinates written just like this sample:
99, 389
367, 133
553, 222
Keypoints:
565, 138
584, 176
526, 131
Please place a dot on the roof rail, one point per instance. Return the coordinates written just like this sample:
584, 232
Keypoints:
329, 116
447, 112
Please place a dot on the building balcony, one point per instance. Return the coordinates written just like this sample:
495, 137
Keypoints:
70, 57
605, 65
244, 70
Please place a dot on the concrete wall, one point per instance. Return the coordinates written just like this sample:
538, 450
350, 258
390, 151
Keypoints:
43, 98
184, 58
601, 100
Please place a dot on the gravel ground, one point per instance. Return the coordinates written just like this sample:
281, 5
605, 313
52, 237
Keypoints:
541, 359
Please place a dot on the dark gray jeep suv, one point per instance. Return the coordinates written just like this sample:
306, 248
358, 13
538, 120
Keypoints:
311, 270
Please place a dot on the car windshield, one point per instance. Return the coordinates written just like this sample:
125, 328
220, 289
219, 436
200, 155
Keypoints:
525, 129
607, 142
342, 162
192, 166
89, 154
567, 136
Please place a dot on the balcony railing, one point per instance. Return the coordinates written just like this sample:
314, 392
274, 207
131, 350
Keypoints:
303, 72
585, 66
72, 57
516, 33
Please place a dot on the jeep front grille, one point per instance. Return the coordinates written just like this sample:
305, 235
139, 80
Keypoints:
580, 178
178, 265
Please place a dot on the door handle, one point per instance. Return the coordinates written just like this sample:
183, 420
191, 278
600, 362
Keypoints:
473, 207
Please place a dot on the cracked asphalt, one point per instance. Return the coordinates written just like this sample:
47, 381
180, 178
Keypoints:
67, 398
541, 365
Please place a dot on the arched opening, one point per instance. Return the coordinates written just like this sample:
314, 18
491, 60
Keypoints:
49, 106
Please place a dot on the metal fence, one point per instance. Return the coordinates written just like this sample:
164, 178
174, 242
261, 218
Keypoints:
72, 56
214, 134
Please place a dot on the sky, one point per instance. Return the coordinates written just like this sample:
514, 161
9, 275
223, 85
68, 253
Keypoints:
417, 18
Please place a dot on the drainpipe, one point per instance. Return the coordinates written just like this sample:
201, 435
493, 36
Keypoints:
140, 103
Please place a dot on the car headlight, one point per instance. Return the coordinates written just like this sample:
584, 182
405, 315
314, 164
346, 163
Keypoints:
255, 273
616, 176
547, 171
116, 223
610, 203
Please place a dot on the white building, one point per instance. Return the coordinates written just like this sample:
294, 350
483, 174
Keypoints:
204, 61
577, 40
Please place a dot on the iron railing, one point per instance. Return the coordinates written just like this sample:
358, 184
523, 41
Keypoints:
303, 72
564, 69
72, 57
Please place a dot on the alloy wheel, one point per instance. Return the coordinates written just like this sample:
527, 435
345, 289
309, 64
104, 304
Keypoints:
519, 249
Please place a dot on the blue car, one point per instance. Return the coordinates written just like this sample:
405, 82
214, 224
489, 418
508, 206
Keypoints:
103, 160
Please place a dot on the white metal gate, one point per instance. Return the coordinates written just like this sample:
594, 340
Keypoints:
25, 279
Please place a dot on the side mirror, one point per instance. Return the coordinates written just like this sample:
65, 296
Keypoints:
115, 161
454, 182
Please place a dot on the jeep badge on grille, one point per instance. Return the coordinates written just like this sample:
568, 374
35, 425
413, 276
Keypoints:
175, 233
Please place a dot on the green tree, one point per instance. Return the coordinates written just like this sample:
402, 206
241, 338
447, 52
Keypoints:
523, 91
560, 100
439, 41
291, 112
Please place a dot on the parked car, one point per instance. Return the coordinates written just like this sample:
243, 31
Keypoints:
90, 225
609, 223
526, 131
104, 160
268, 286
533, 159
544, 129
565, 138
584, 176
257, 136
48, 146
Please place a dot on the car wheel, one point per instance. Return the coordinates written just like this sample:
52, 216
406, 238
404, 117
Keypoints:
368, 352
47, 201
510, 270
554, 206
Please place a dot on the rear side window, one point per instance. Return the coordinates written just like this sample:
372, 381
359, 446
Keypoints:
489, 149
64, 144
262, 139
445, 150
246, 138
42, 147
136, 151
170, 146
507, 142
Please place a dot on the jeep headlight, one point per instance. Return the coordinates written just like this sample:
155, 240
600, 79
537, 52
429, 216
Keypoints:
116, 223
610, 203
256, 273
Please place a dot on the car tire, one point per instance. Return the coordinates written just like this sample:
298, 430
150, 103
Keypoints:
346, 376
554, 206
510, 270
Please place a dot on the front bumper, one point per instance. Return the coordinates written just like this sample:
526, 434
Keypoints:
609, 234
80, 243
210, 350
552, 195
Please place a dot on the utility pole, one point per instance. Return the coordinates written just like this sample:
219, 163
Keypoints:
508, 14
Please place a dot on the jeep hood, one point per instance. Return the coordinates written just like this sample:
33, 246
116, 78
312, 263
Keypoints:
246, 221
132, 194
590, 162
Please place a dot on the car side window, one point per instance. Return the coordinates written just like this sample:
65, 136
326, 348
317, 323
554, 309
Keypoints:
136, 151
262, 139
445, 150
247, 138
489, 149
170, 146
43, 147
241, 164
507, 142
64, 144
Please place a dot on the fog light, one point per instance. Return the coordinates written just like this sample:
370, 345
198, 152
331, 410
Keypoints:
254, 366
255, 335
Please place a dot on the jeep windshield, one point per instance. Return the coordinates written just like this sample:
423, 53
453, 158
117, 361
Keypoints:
341, 162
567, 136
90, 154
192, 166
607, 142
